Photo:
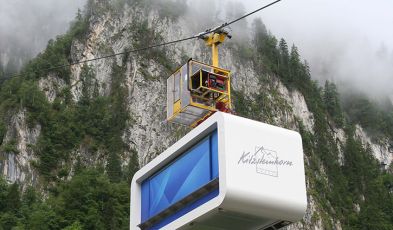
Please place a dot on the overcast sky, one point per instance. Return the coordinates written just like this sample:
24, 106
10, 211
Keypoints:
27, 25
344, 40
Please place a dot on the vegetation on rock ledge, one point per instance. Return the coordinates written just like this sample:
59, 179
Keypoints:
344, 178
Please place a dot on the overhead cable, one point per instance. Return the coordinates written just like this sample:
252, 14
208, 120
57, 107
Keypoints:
200, 35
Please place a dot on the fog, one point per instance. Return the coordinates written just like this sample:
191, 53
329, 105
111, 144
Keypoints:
27, 25
349, 42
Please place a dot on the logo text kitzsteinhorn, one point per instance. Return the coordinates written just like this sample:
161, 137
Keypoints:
260, 159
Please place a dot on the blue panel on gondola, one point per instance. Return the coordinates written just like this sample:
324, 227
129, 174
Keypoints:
186, 174
214, 154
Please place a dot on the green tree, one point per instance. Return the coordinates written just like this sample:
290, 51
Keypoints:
332, 103
1, 74
3, 194
13, 201
260, 32
114, 167
133, 166
8, 221
294, 66
75, 226
284, 60
266, 47
94, 202
2, 130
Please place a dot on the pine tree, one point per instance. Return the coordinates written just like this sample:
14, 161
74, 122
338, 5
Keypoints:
133, 166
13, 198
29, 197
332, 102
1, 73
284, 59
86, 76
2, 130
260, 32
283, 47
114, 167
295, 57
3, 194
294, 65
266, 46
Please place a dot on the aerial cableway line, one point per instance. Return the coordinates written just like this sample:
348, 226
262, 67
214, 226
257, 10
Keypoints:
197, 36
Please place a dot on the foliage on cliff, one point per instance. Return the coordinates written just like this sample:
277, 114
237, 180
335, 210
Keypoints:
94, 196
88, 201
338, 186
352, 190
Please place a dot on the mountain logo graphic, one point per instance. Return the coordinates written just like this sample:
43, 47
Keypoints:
270, 156
264, 160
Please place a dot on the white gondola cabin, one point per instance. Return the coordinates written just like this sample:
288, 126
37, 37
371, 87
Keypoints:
228, 173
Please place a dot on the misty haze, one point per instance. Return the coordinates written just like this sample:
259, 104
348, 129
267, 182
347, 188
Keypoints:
193, 114
27, 25
348, 42
351, 46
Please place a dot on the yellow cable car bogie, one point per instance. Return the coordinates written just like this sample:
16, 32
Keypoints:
196, 90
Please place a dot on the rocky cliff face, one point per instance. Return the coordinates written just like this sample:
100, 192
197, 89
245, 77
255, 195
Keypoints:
18, 155
114, 30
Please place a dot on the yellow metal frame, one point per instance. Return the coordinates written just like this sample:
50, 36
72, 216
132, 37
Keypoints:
218, 69
193, 125
200, 76
212, 40
225, 96
210, 112
177, 104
